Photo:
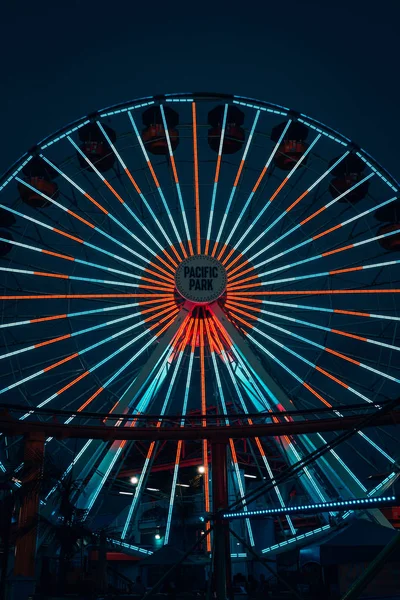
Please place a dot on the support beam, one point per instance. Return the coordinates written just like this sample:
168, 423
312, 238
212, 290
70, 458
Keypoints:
25, 547
222, 552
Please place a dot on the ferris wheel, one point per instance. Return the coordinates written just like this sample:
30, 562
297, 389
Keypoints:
203, 254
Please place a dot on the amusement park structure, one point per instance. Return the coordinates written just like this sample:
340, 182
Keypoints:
200, 310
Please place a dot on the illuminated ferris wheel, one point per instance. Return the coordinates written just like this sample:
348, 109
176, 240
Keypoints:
202, 254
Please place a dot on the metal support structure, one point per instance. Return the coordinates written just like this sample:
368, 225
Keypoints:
25, 547
222, 556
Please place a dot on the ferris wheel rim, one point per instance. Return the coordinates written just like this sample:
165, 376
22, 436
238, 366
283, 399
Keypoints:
11, 171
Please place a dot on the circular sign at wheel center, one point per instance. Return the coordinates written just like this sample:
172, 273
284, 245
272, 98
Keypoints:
201, 279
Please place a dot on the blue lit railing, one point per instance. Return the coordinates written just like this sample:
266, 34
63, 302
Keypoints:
354, 504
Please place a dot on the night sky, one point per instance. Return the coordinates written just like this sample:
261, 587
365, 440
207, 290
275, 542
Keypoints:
336, 61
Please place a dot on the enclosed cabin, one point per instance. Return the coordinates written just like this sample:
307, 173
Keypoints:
347, 174
39, 177
293, 146
389, 214
154, 135
95, 146
234, 134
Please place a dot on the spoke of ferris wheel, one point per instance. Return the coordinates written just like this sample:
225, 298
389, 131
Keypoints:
120, 403
184, 409
287, 210
81, 313
235, 184
216, 179
320, 347
96, 366
75, 354
101, 474
109, 214
296, 227
206, 477
257, 440
234, 304
272, 198
151, 449
91, 264
125, 404
82, 241
176, 179
233, 294
319, 369
82, 220
112, 189
235, 287
317, 236
254, 190
338, 471
165, 288
244, 407
132, 180
320, 309
307, 439
160, 192
167, 307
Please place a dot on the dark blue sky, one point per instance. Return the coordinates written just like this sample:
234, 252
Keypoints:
336, 61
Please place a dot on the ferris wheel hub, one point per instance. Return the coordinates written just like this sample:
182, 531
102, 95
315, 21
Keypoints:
201, 279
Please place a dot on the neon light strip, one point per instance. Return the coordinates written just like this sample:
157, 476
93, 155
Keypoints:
216, 179
11, 177
152, 446
103, 179
315, 326
178, 187
272, 198
310, 218
75, 238
320, 309
263, 108
361, 503
179, 447
315, 237
123, 110
326, 527
315, 292
166, 288
161, 194
110, 187
257, 440
376, 171
116, 447
74, 355
91, 264
249, 199
80, 313
324, 372
235, 286
83, 406
196, 181
105, 211
217, 239
86, 330
82, 296
82, 220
